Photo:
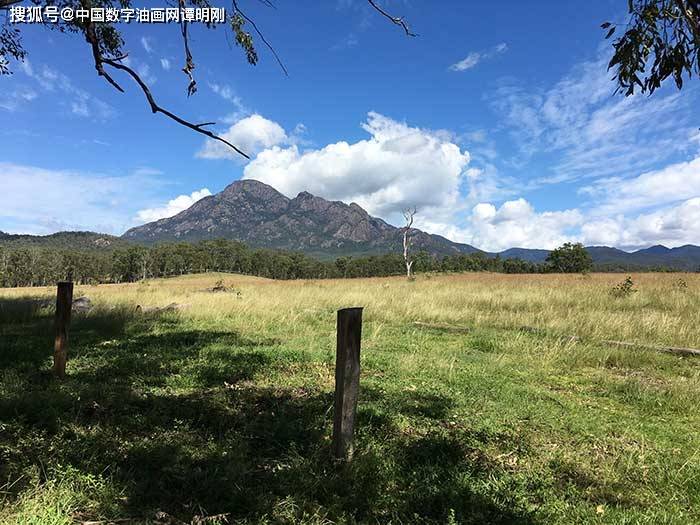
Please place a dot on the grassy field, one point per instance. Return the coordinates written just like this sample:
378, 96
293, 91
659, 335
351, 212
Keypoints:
225, 407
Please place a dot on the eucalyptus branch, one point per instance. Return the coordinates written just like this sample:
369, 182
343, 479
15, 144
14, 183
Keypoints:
398, 20
189, 61
155, 108
262, 37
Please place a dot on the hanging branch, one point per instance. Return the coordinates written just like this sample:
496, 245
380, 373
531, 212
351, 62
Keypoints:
100, 61
155, 108
262, 37
398, 20
189, 61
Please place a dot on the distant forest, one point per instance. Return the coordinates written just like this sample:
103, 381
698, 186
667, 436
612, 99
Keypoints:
26, 265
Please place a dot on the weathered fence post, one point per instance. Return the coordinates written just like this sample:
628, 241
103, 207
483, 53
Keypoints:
64, 303
347, 380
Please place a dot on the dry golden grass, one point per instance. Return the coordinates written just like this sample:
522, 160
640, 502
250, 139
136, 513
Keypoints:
660, 312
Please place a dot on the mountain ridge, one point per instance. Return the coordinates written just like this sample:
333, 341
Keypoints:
79, 240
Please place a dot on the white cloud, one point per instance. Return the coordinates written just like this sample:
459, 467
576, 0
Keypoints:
670, 226
397, 167
224, 91
347, 42
227, 93
173, 207
594, 132
146, 43
657, 207
79, 107
142, 69
515, 224
473, 58
79, 101
17, 98
671, 184
165, 64
251, 134
38, 200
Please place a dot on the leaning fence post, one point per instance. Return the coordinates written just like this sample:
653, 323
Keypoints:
347, 380
64, 302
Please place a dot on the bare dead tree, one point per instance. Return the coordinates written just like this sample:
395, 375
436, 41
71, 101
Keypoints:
408, 214
106, 43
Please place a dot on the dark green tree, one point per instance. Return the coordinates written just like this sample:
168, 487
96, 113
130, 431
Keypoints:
516, 265
570, 258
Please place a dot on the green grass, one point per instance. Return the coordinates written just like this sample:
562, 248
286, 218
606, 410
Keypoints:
226, 407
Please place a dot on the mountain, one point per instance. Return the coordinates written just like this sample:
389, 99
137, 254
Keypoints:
606, 258
257, 214
64, 240
682, 258
526, 254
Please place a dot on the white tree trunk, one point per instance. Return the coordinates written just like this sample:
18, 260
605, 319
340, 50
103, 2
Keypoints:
408, 214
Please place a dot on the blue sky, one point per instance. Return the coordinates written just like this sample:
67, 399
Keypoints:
500, 125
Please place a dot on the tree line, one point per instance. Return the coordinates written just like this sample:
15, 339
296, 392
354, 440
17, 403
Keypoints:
42, 266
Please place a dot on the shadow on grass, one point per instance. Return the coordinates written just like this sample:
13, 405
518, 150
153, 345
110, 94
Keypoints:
179, 420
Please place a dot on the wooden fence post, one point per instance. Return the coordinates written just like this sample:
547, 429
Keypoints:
347, 380
64, 303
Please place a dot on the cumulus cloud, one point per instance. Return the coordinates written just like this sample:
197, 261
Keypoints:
670, 226
473, 58
173, 207
251, 134
657, 207
397, 167
514, 224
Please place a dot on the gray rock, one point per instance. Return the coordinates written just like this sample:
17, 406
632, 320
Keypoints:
82, 305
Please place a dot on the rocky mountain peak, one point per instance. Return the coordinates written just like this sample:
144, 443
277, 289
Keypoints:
252, 188
257, 214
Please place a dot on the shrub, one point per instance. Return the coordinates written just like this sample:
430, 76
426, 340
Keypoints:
623, 289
